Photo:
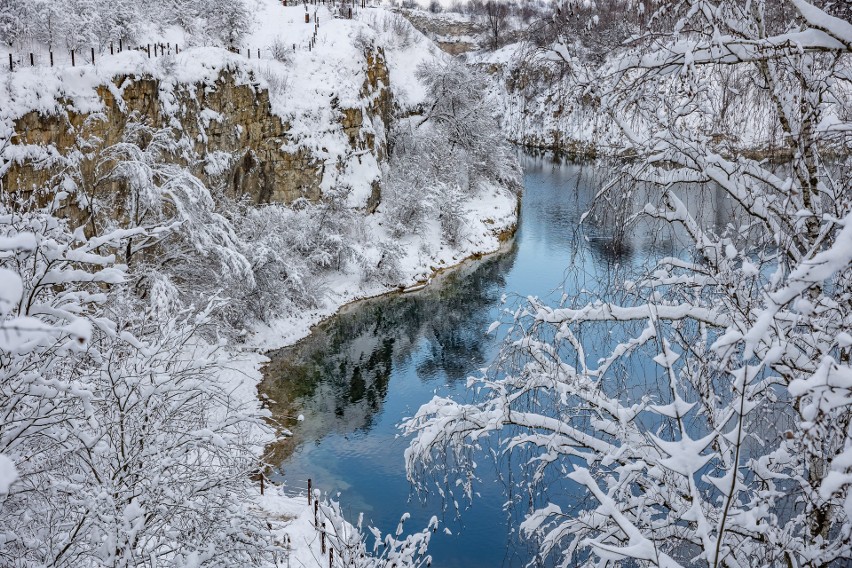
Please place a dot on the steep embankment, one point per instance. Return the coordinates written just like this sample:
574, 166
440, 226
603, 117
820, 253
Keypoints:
312, 114
255, 128
555, 98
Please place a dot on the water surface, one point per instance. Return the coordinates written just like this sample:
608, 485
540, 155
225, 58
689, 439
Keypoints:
363, 371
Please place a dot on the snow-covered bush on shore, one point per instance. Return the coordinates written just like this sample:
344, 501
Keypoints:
735, 450
466, 124
440, 159
352, 548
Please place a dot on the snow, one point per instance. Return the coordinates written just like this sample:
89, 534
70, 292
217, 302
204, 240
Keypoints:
308, 89
8, 474
11, 290
835, 27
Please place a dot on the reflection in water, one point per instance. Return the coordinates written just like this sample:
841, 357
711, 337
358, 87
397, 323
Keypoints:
359, 374
338, 376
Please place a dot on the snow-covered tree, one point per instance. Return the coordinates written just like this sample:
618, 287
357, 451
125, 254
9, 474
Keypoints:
13, 21
119, 443
227, 21
439, 160
735, 450
95, 23
465, 120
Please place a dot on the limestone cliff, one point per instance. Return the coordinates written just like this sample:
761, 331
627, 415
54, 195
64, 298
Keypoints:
243, 146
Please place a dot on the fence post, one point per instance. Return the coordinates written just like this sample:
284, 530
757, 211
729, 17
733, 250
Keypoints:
176, 49
51, 59
32, 60
120, 45
261, 482
149, 51
111, 51
11, 65
316, 514
73, 63
93, 56
309, 492
330, 557
258, 53
322, 538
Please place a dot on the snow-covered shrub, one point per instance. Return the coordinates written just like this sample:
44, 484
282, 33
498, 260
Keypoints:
283, 274
352, 548
227, 21
325, 239
408, 195
444, 157
450, 202
276, 80
363, 41
425, 182
458, 110
394, 30
14, 17
281, 50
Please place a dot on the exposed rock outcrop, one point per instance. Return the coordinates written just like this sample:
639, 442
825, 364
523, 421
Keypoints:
244, 147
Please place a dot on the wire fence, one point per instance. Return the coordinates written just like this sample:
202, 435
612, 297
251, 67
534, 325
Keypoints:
38, 56
43, 56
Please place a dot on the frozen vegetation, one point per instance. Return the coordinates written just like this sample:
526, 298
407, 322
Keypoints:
135, 291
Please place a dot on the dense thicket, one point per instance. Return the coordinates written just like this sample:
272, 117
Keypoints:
595, 28
125, 438
444, 157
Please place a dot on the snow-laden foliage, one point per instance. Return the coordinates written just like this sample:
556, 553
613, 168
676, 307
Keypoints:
441, 158
351, 542
702, 408
193, 244
549, 80
127, 450
73, 24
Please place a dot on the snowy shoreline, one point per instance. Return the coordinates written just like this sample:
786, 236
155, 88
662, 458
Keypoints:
289, 507
315, 318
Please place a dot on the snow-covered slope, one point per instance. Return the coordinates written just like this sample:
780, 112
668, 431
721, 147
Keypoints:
307, 122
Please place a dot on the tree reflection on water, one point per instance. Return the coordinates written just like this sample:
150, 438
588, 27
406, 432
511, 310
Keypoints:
338, 376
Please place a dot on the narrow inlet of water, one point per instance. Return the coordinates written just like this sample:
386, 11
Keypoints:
360, 373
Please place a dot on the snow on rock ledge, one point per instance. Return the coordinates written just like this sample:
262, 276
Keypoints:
270, 129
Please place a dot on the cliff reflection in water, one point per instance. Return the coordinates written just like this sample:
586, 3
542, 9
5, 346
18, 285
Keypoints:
338, 376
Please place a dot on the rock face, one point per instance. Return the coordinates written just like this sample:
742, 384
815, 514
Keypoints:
244, 148
452, 35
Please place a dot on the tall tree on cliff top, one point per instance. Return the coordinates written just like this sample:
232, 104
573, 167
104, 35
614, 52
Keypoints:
739, 452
